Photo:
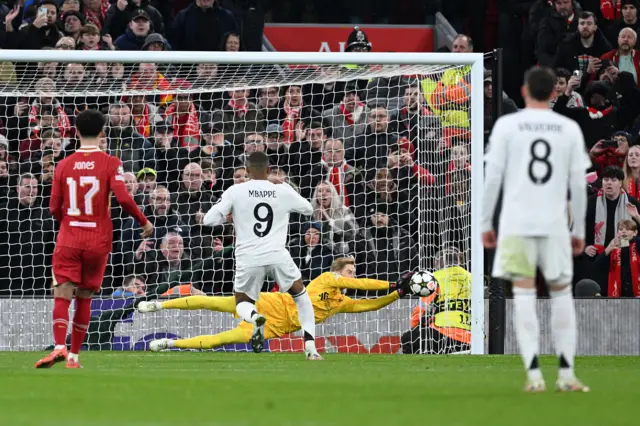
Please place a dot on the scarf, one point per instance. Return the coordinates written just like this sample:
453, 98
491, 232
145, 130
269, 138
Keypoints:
143, 124
351, 117
186, 127
600, 229
240, 110
610, 12
337, 178
97, 18
64, 124
160, 84
615, 271
632, 188
596, 114
570, 19
288, 126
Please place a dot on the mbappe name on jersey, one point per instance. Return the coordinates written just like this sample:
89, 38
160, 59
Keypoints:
262, 194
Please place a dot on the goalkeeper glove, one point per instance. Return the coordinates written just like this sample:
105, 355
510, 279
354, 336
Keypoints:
403, 285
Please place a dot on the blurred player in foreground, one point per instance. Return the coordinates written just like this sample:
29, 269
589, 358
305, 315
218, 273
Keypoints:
260, 212
537, 156
279, 309
80, 197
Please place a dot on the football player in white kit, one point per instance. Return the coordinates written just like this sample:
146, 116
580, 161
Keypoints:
537, 157
260, 212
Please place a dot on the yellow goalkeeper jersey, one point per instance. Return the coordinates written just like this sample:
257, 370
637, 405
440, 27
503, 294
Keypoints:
326, 293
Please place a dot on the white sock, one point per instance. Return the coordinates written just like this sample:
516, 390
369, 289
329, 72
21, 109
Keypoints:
563, 327
525, 320
246, 310
72, 356
59, 347
310, 346
306, 315
171, 343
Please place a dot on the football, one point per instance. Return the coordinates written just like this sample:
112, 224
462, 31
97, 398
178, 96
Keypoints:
423, 284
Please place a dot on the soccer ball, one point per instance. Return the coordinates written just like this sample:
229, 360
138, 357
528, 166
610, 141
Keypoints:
423, 284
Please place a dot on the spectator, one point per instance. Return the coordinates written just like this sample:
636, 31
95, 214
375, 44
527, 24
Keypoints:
43, 31
385, 248
305, 156
606, 209
147, 181
201, 26
4, 182
240, 175
192, 198
348, 120
587, 288
90, 39
46, 87
183, 116
277, 149
292, 111
370, 149
631, 168
161, 214
337, 219
27, 233
629, 19
582, 50
120, 14
132, 286
556, 26
231, 42
415, 121
269, 104
124, 141
610, 152
69, 6
145, 114
508, 106
309, 253
625, 58
408, 169
72, 22
156, 265
340, 174
239, 117
565, 80
148, 78
155, 42
620, 263
137, 32
324, 96
96, 11
598, 118
214, 146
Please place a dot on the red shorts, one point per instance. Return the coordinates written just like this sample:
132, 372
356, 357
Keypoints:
82, 267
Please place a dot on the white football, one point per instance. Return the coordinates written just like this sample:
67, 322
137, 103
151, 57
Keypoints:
423, 284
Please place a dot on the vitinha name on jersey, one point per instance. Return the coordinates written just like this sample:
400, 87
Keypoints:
540, 127
262, 194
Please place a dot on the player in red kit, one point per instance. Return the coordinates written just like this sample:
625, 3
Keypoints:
80, 198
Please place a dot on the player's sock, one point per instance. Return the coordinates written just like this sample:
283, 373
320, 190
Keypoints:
563, 328
60, 321
219, 304
306, 315
527, 329
246, 310
80, 323
235, 335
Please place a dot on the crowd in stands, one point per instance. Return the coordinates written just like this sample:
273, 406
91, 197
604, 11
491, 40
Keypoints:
384, 162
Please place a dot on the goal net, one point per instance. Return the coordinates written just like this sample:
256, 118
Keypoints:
383, 151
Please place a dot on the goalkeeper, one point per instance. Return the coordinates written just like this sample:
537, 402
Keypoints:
279, 308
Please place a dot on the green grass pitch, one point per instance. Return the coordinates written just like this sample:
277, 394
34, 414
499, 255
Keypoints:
193, 389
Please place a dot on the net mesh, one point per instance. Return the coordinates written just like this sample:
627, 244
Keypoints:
382, 153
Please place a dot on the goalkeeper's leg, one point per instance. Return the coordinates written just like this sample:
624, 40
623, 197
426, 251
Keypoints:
212, 303
236, 335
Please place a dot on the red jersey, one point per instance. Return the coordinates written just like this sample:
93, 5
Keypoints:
80, 199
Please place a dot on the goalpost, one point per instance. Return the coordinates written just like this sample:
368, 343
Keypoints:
408, 126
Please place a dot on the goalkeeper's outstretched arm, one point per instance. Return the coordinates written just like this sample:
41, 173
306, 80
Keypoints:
356, 306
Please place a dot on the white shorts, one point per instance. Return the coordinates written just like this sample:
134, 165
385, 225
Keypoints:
249, 279
519, 256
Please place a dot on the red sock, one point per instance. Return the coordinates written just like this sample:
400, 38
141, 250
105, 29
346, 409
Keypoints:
60, 320
80, 323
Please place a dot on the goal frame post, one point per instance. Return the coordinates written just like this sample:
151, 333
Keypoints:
474, 60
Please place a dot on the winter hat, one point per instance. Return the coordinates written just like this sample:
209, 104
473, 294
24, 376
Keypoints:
587, 288
78, 15
154, 38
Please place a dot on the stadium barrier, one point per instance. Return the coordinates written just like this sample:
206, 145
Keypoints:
606, 327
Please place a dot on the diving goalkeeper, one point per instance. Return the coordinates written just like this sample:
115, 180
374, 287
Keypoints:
280, 309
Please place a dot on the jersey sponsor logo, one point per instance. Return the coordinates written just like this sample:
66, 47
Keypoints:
262, 194
462, 305
84, 165
120, 170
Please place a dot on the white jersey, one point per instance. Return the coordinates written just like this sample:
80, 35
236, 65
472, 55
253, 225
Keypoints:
260, 211
537, 156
